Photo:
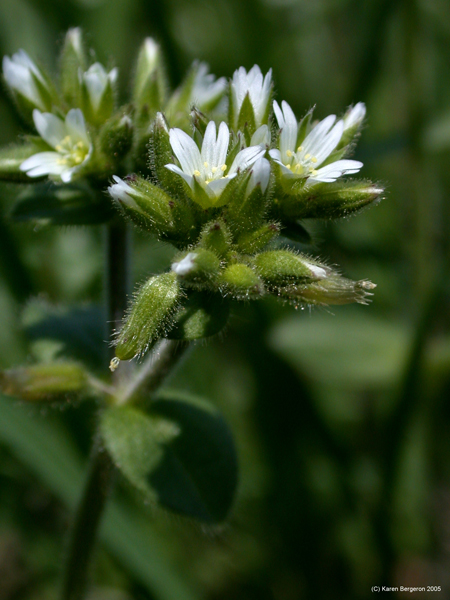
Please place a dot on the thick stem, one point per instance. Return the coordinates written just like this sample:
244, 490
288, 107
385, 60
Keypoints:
101, 471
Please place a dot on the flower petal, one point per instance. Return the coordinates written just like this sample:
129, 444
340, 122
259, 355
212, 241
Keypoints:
333, 171
76, 126
50, 128
186, 150
245, 158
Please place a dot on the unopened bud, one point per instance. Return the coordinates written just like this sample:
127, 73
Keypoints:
330, 200
216, 236
240, 282
331, 290
353, 119
149, 316
197, 267
97, 93
150, 85
145, 203
73, 58
44, 382
28, 83
281, 267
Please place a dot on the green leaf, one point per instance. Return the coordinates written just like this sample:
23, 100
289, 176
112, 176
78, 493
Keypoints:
181, 455
201, 316
68, 204
45, 447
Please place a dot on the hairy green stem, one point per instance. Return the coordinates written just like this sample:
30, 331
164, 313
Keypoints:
154, 370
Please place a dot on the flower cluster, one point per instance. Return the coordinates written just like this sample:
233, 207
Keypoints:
219, 169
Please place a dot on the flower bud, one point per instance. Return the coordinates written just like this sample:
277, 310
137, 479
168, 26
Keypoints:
150, 85
331, 290
281, 267
241, 282
97, 93
30, 86
198, 267
150, 314
216, 237
329, 200
249, 104
73, 58
44, 382
254, 241
353, 119
116, 137
145, 203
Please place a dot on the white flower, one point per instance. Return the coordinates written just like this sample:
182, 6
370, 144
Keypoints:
354, 116
303, 161
70, 140
260, 176
184, 266
206, 89
208, 167
256, 86
24, 77
96, 80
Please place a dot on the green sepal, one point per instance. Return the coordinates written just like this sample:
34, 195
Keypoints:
333, 289
202, 315
329, 200
149, 315
304, 127
116, 137
245, 212
73, 58
246, 119
279, 267
199, 121
62, 204
44, 382
216, 236
241, 282
254, 241
179, 455
160, 153
204, 267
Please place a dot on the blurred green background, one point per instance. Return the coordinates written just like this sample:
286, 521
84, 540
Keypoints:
341, 417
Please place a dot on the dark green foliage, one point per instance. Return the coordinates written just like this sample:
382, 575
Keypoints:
56, 204
180, 455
